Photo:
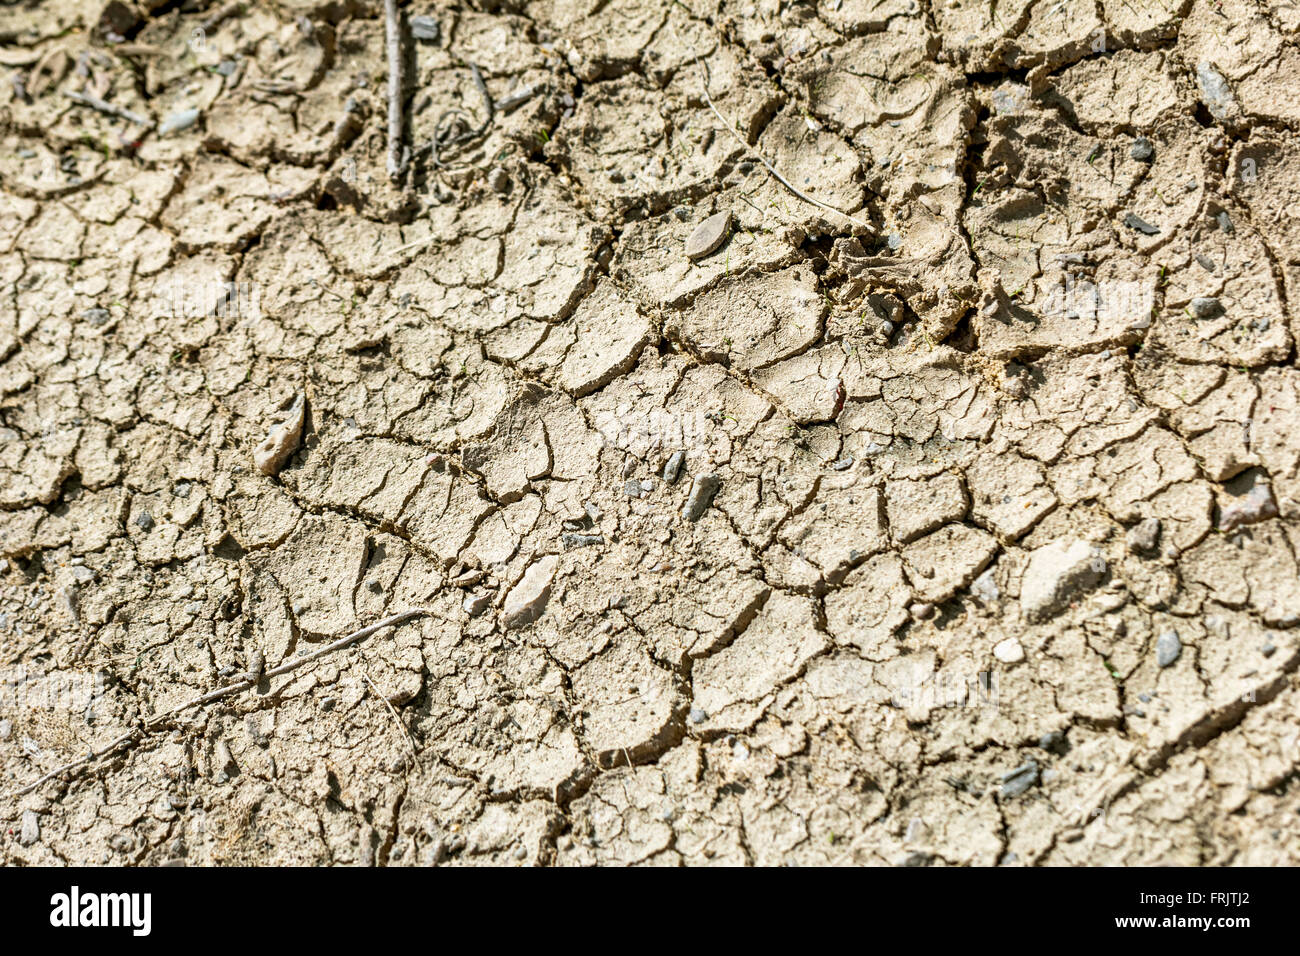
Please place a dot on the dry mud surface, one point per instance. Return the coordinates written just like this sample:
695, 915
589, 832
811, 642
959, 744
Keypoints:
945, 514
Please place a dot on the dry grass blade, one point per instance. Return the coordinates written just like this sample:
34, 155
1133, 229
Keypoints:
770, 168
397, 718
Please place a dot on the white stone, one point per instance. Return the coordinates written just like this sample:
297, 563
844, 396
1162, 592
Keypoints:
1009, 651
1056, 573
527, 599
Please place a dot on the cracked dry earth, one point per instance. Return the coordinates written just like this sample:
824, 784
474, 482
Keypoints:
967, 538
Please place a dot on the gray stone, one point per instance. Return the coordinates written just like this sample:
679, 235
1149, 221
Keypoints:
1204, 307
1215, 92
1056, 573
985, 588
921, 611
144, 521
426, 29
1136, 222
1144, 537
1225, 223
708, 236
6, 729
673, 466
1017, 781
31, 828
1168, 648
573, 540
698, 716
178, 122
1142, 150
703, 488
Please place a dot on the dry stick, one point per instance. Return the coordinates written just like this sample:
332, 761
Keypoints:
215, 695
393, 29
770, 168
94, 102
221, 15
406, 734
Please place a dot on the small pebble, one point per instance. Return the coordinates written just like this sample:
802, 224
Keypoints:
31, 828
673, 466
426, 29
708, 236
921, 611
1144, 538
1204, 307
1142, 150
1215, 92
1140, 225
985, 588
703, 490
1168, 648
1017, 781
1009, 651
178, 122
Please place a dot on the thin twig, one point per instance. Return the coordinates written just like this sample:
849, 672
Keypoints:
214, 695
406, 733
221, 15
511, 100
770, 168
487, 98
112, 109
393, 28
442, 130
